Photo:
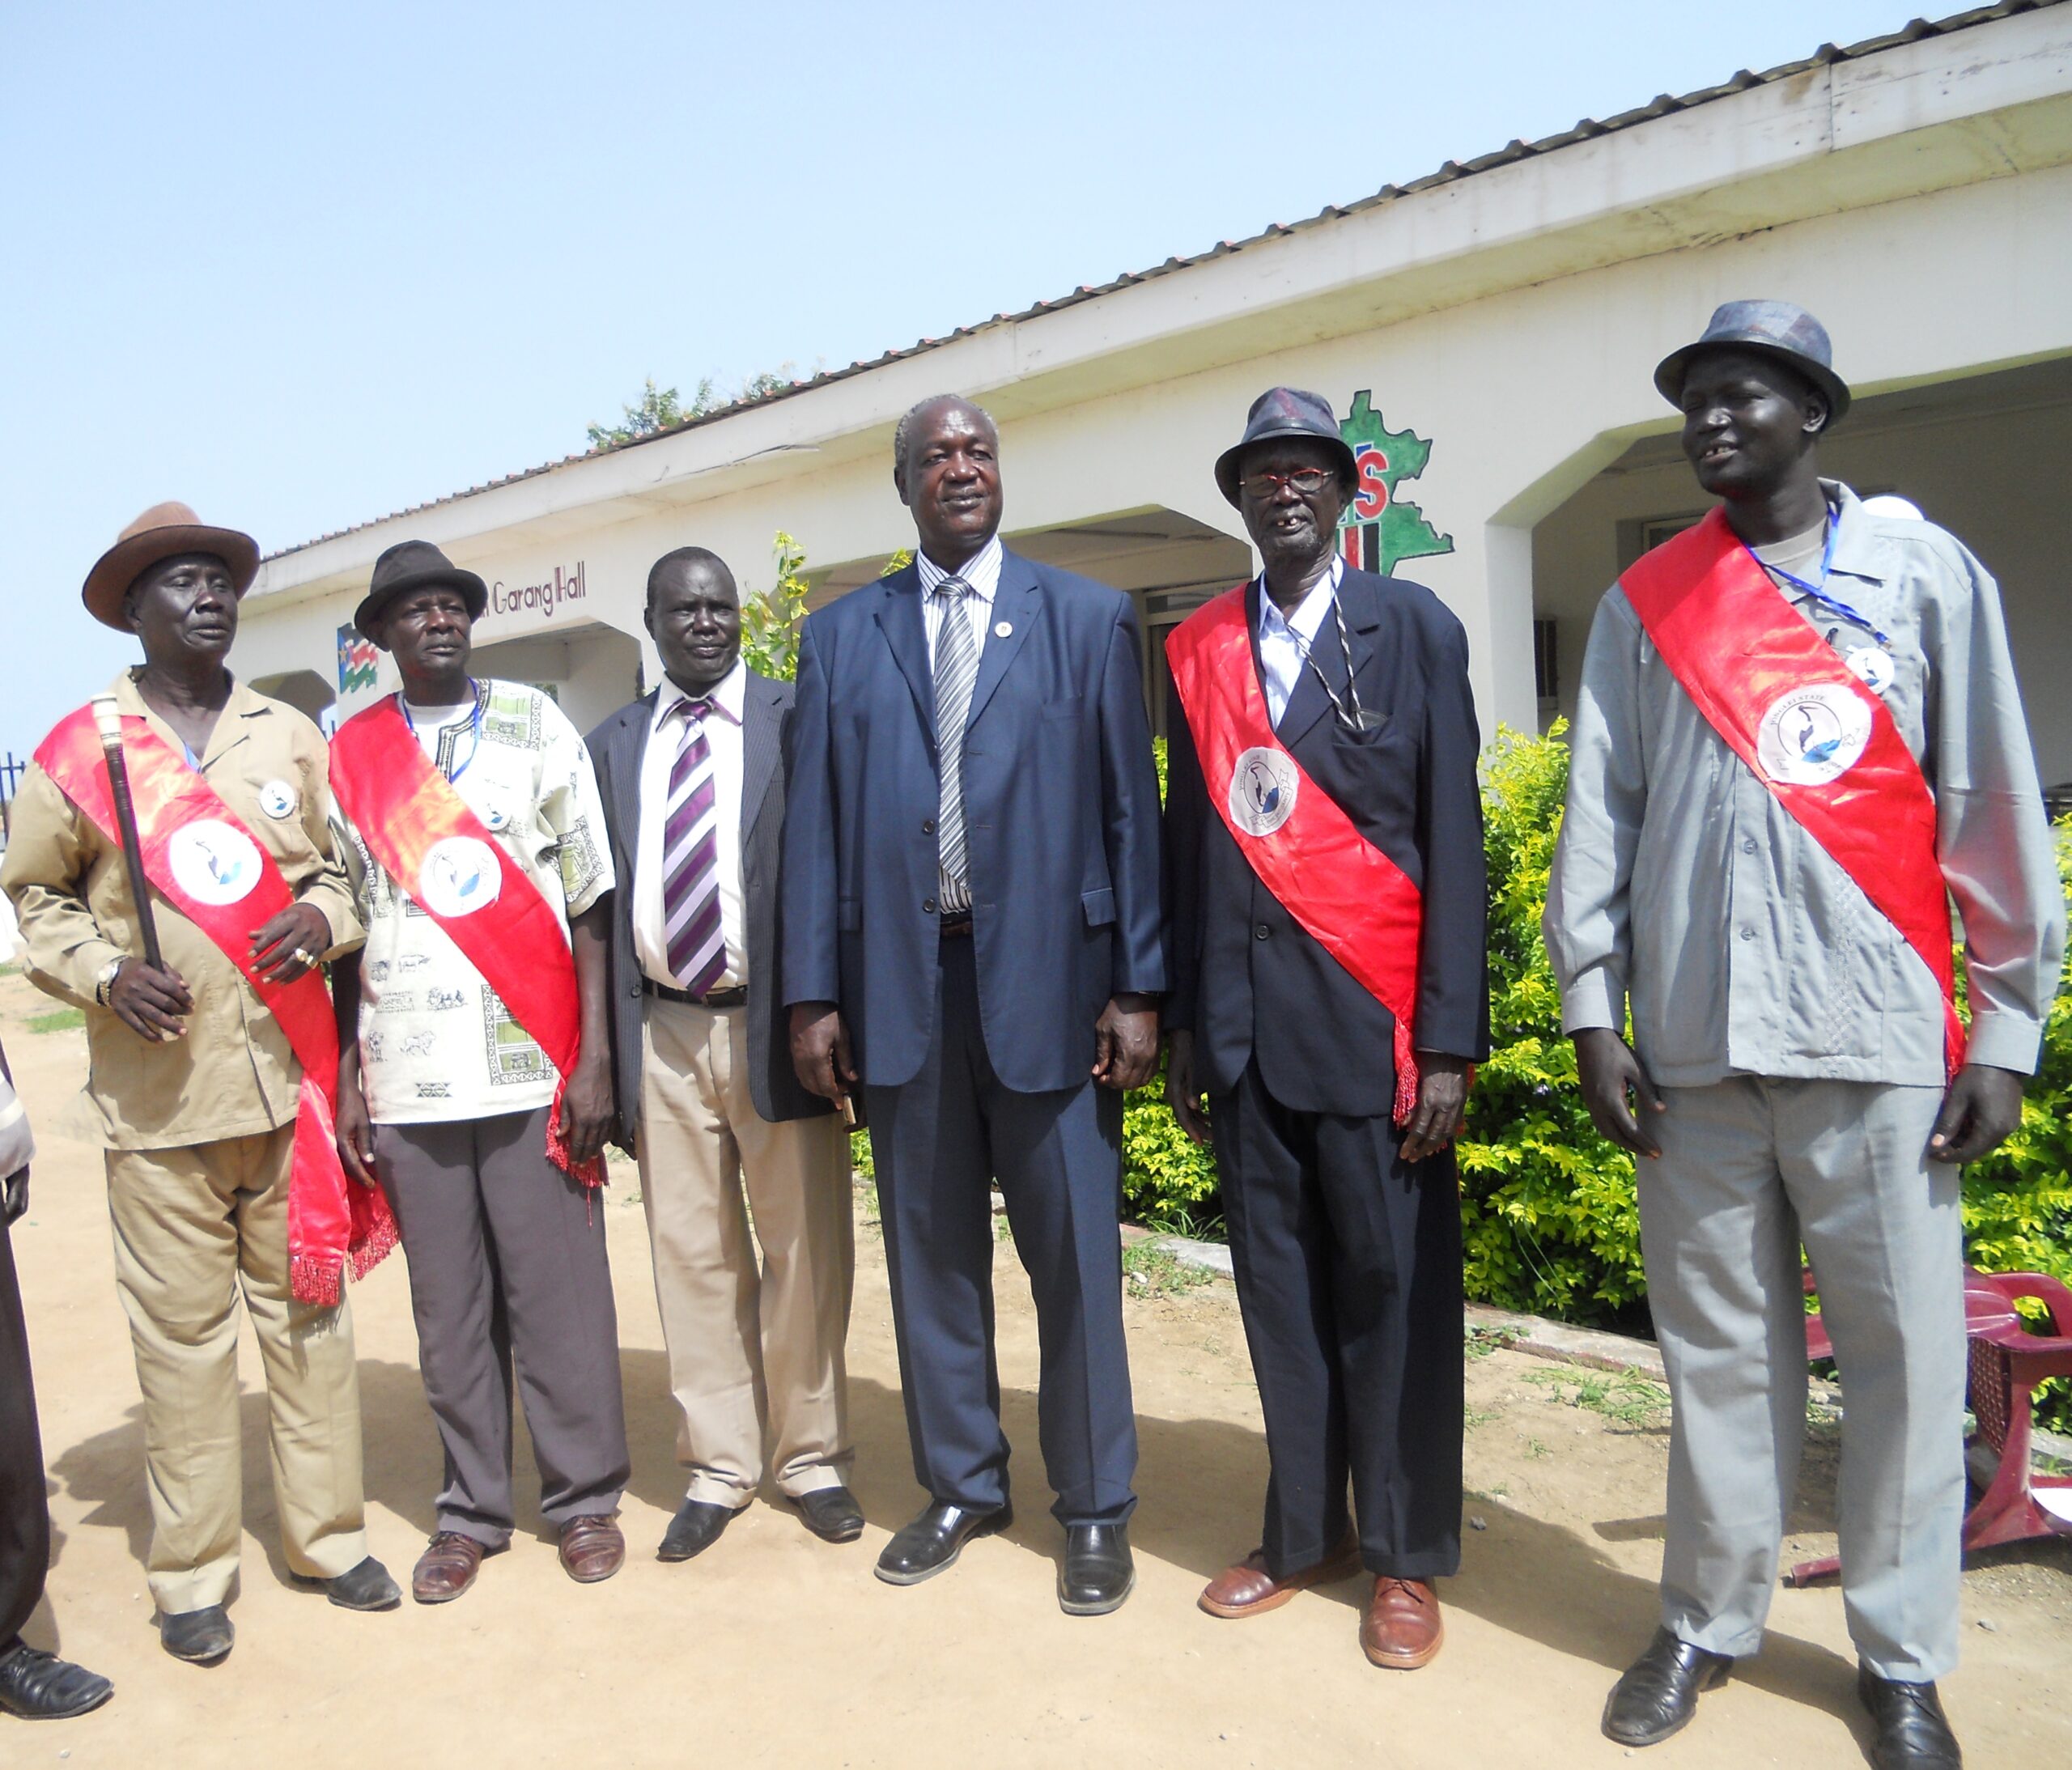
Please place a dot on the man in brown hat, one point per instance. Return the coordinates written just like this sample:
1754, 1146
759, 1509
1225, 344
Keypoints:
476, 1084
203, 1067
1324, 844
1798, 741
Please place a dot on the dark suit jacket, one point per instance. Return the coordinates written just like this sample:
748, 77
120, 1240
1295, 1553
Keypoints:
616, 748
1247, 975
1061, 814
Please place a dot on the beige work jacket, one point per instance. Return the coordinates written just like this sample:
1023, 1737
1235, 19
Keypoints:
234, 1073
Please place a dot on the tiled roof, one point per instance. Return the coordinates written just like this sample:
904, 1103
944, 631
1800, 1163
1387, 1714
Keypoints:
1516, 150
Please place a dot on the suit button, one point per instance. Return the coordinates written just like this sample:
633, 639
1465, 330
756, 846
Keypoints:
1264, 933
927, 826
928, 904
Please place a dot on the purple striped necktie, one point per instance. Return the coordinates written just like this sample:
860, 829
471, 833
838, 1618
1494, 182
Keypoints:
690, 854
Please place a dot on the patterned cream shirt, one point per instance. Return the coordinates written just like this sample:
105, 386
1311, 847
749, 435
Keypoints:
436, 1042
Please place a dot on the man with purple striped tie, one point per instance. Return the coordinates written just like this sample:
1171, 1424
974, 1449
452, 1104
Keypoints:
693, 795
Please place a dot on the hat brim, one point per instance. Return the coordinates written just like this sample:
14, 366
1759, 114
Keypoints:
1669, 372
466, 582
1227, 462
109, 581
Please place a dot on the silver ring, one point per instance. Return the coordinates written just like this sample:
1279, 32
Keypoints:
307, 958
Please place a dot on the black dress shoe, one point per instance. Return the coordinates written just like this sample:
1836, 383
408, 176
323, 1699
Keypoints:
1913, 1733
200, 1637
1098, 1572
366, 1587
694, 1529
934, 1540
1659, 1692
37, 1686
831, 1513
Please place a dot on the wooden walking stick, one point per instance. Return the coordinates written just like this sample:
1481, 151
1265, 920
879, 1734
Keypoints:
109, 723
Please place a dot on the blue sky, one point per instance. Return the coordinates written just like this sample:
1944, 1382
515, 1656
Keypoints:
300, 266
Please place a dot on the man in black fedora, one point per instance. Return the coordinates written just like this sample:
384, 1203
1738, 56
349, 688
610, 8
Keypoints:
474, 1076
1798, 739
1324, 847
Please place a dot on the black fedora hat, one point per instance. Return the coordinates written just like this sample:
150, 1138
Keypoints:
1773, 329
410, 565
1286, 411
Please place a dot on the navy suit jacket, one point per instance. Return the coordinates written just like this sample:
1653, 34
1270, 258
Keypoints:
1061, 821
1247, 976
618, 748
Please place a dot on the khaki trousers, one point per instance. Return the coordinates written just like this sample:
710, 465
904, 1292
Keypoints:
194, 1226
755, 1348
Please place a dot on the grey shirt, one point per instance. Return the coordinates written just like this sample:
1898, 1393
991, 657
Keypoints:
1680, 883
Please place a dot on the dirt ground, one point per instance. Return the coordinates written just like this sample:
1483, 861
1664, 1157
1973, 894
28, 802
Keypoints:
775, 1647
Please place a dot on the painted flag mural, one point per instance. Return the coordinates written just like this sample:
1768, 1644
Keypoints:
358, 661
1380, 530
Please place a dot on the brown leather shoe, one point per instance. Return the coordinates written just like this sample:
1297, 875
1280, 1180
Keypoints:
1401, 1629
447, 1569
1248, 1589
592, 1548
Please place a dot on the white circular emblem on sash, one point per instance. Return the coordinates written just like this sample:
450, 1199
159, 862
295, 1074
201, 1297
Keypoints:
213, 862
460, 876
1262, 790
277, 799
1811, 736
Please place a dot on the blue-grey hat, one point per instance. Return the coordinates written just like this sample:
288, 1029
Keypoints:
1286, 411
1775, 329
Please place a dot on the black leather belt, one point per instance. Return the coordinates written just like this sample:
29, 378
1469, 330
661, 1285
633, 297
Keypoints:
736, 997
957, 925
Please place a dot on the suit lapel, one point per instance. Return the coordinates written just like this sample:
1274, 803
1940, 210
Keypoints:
760, 723
1309, 702
630, 746
899, 615
1016, 602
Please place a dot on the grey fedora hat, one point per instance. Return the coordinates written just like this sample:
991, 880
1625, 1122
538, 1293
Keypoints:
1773, 329
409, 565
1286, 411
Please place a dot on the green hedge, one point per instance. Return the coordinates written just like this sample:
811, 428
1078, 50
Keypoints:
1547, 1204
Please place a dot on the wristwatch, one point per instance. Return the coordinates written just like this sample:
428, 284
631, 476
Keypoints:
106, 981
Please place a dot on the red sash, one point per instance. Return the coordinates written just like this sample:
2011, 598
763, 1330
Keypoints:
1782, 702
1358, 904
405, 808
332, 1223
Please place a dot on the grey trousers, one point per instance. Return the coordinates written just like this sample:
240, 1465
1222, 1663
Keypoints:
1749, 1169
507, 1261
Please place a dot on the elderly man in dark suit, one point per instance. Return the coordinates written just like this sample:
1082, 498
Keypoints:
1329, 900
694, 804
971, 935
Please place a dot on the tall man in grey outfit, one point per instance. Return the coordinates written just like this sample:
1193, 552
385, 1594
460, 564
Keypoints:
1788, 1058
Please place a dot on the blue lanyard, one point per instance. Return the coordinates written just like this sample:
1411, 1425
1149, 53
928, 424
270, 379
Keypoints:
1818, 593
474, 732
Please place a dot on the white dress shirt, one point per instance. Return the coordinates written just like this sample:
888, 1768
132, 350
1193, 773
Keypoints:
1284, 640
982, 572
722, 737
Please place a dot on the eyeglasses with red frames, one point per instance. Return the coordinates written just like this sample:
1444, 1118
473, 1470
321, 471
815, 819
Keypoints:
1305, 481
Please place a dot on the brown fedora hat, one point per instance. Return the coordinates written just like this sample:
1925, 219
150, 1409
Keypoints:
163, 531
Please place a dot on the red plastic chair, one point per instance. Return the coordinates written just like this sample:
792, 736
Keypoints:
2008, 1360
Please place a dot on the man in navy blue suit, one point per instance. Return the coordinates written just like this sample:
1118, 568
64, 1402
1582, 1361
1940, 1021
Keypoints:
971, 935
1329, 992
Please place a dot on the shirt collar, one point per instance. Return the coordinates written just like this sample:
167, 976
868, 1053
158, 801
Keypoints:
728, 696
982, 571
1308, 614
1859, 552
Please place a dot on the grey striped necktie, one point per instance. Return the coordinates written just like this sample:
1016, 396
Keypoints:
956, 670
